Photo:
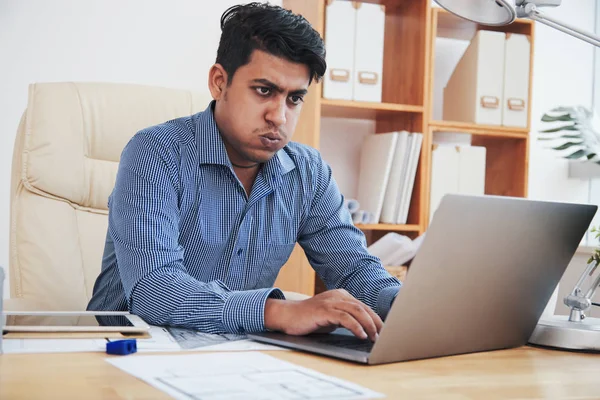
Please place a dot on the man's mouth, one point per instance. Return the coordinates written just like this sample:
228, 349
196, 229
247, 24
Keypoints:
274, 137
271, 141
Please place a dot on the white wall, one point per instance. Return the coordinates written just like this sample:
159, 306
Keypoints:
563, 75
155, 42
174, 43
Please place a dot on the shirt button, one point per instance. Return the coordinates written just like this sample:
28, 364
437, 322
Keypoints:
240, 251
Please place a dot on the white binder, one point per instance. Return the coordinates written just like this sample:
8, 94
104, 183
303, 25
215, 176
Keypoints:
409, 178
516, 80
394, 187
376, 158
475, 90
444, 175
340, 24
368, 57
471, 170
456, 169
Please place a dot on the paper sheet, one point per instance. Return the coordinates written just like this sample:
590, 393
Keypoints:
190, 339
237, 376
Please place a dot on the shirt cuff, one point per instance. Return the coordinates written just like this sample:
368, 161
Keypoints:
385, 299
244, 311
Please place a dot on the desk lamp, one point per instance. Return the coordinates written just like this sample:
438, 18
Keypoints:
576, 332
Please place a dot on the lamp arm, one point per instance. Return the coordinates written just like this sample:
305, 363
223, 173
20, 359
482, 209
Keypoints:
576, 301
531, 11
592, 290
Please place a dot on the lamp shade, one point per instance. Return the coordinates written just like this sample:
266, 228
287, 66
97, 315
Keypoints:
486, 12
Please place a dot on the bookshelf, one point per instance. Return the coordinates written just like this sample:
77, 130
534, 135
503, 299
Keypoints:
411, 28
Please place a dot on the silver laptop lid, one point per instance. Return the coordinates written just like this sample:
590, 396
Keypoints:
482, 276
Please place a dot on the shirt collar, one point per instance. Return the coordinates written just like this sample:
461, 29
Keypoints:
211, 149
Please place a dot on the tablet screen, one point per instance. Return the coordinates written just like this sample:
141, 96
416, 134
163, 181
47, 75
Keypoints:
67, 320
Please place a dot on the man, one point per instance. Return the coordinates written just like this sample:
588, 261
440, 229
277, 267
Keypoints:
206, 209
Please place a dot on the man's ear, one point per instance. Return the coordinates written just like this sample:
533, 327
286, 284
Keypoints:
217, 81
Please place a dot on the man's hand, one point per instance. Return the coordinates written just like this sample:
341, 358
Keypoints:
323, 312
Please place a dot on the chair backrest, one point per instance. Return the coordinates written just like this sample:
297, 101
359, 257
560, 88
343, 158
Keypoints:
64, 166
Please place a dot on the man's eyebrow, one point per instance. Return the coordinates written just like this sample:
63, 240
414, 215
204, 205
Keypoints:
299, 92
273, 86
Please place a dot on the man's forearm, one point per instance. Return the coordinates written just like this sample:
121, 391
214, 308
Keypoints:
206, 306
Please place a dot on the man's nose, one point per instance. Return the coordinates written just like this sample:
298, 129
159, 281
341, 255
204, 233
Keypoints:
276, 113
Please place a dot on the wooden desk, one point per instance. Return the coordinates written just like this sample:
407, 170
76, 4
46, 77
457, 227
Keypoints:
522, 373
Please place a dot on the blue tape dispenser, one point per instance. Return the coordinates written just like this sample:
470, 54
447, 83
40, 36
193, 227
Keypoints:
122, 347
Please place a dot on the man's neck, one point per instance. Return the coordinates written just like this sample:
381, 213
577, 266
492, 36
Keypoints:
247, 176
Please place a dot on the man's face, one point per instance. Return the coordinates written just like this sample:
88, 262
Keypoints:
258, 111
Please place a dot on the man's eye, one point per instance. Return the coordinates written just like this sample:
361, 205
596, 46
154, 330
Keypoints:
263, 91
296, 99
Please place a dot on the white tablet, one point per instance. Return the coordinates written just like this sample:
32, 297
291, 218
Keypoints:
73, 321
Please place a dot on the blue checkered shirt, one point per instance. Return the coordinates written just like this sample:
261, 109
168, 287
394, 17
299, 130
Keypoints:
187, 247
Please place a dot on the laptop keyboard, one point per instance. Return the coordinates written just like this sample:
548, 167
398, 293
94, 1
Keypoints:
345, 341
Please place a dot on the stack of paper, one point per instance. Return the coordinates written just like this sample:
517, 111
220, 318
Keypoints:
394, 249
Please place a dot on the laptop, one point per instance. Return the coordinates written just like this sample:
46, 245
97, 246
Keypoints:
480, 281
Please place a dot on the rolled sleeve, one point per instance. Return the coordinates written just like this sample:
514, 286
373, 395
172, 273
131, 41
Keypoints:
244, 311
385, 299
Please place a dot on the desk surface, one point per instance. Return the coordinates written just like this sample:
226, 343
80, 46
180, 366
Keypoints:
522, 373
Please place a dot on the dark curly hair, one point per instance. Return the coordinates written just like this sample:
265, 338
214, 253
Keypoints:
275, 30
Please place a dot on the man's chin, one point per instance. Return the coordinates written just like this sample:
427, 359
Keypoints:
262, 156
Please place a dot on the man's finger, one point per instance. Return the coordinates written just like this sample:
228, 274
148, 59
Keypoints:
376, 318
346, 320
357, 311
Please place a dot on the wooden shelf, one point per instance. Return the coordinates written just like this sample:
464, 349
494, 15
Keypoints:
453, 27
409, 62
364, 110
388, 227
479, 130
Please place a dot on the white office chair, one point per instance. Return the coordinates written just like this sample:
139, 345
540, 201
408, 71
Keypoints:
64, 167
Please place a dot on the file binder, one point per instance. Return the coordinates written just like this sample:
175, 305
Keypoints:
475, 91
340, 27
456, 170
368, 56
516, 80
471, 170
399, 169
376, 158
409, 178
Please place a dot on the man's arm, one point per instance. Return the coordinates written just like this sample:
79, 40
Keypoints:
144, 225
336, 250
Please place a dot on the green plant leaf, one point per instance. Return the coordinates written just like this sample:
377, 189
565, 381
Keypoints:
561, 128
567, 145
561, 137
549, 118
577, 154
